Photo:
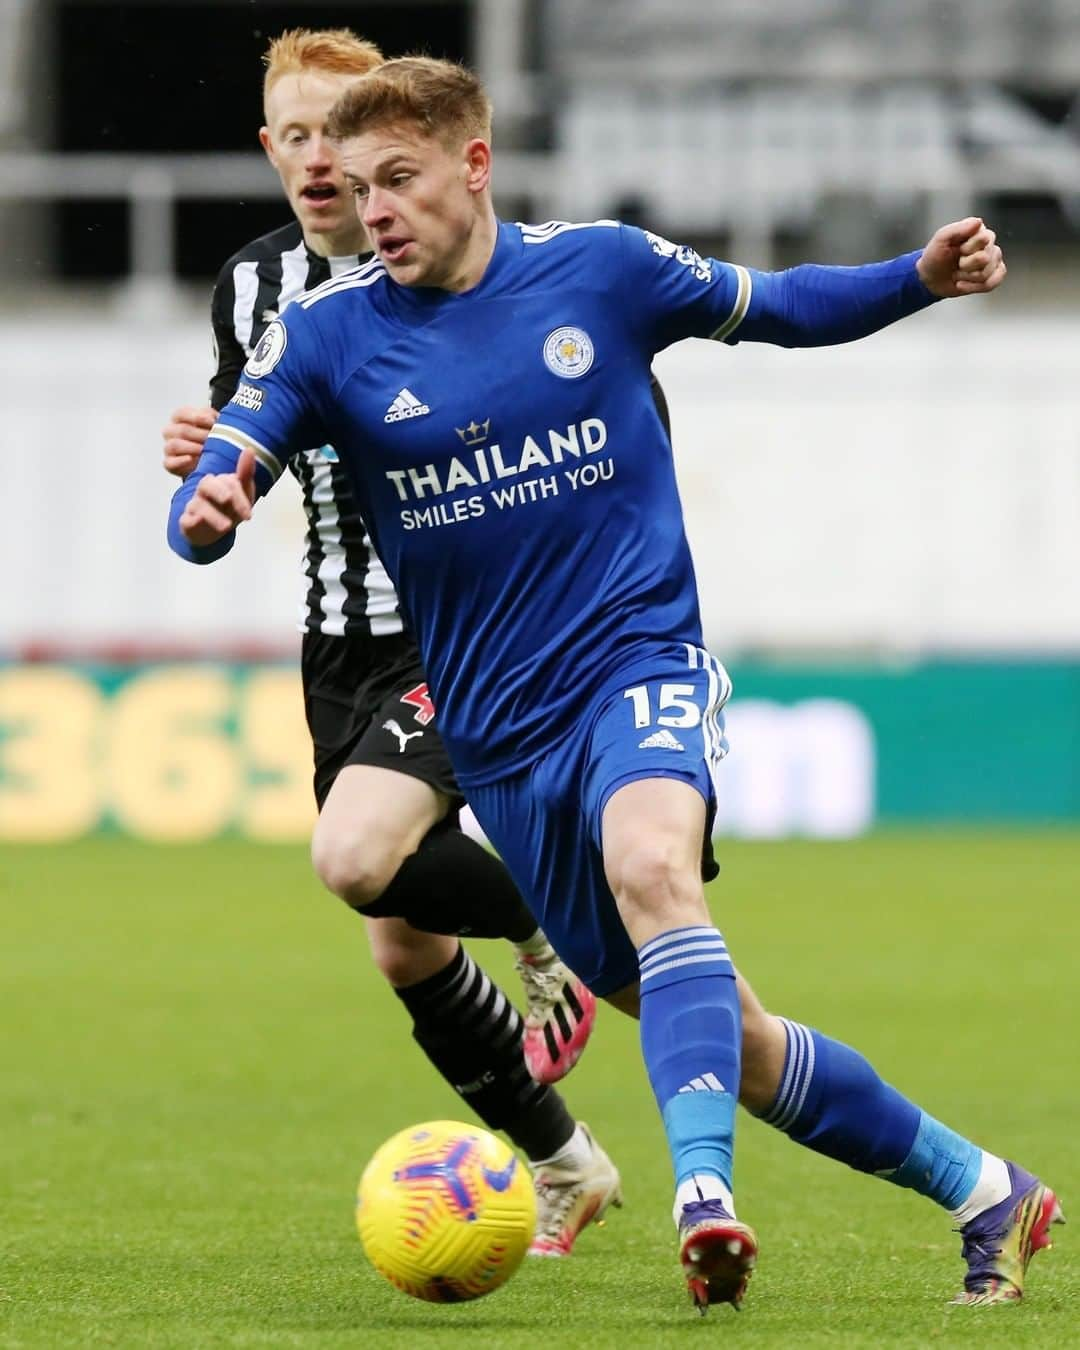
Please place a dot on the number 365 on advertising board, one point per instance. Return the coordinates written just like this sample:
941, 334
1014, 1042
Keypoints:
165, 752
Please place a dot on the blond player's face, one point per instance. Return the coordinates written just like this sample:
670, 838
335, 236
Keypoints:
309, 165
416, 201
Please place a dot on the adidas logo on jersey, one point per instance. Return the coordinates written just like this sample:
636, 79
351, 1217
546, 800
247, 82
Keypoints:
406, 405
661, 740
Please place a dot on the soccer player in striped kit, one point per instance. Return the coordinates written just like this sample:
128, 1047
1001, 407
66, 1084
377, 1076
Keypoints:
387, 839
530, 519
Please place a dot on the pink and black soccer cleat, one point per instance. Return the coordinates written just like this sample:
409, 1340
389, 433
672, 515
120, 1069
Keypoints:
560, 1017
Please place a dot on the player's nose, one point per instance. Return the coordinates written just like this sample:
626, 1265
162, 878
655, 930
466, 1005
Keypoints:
320, 153
377, 208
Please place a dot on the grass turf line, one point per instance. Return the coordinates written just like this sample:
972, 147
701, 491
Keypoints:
199, 1058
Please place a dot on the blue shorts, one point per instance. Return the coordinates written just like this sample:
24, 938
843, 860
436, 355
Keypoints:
662, 719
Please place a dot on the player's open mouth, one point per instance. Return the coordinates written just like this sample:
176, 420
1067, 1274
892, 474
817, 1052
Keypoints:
319, 194
393, 250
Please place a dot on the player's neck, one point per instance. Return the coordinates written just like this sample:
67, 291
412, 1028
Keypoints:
468, 270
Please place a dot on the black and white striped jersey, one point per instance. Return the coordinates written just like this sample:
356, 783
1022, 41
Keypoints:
348, 589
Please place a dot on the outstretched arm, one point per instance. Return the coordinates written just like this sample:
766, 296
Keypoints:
813, 306
673, 293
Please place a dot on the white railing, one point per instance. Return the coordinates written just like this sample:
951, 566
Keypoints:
749, 164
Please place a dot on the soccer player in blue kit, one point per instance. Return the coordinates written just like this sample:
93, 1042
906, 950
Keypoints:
487, 386
387, 840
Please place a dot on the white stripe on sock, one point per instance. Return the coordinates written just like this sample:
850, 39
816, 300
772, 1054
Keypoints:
807, 1077
785, 1115
790, 1081
674, 935
715, 958
715, 944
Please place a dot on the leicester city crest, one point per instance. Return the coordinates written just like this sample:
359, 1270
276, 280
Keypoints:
268, 351
568, 352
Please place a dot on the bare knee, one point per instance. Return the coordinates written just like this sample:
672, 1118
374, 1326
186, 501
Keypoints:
354, 866
372, 820
654, 888
652, 831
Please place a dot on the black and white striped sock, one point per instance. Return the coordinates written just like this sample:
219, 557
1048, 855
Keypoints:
472, 1034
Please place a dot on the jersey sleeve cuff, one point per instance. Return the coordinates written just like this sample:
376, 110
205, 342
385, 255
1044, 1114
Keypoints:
744, 290
240, 440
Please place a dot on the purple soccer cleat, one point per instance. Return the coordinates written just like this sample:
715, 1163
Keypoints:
1000, 1242
717, 1253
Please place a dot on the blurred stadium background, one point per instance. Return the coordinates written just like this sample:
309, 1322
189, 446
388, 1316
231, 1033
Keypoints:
886, 536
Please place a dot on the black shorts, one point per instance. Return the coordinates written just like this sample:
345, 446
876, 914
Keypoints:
366, 701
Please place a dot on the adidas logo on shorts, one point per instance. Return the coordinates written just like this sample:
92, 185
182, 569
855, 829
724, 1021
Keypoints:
406, 405
661, 740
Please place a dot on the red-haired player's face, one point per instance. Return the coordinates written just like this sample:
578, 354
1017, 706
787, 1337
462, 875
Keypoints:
418, 201
308, 164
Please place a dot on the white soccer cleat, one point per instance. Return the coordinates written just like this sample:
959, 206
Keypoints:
567, 1198
560, 1017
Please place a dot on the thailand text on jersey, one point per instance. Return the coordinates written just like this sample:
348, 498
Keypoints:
506, 452
348, 589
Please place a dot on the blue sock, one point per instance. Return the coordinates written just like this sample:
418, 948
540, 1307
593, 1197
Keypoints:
691, 1038
942, 1164
833, 1101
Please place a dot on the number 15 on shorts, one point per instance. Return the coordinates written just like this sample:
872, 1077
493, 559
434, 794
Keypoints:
680, 714
674, 705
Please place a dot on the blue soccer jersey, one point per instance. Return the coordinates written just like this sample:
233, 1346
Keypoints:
506, 452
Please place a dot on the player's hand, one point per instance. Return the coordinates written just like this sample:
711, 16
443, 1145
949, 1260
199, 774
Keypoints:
220, 503
963, 258
184, 435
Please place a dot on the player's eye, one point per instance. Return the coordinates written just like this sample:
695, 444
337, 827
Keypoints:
400, 179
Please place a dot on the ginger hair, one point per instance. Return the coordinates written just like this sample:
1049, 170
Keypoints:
334, 51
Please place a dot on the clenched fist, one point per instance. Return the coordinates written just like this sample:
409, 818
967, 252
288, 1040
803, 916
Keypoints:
963, 258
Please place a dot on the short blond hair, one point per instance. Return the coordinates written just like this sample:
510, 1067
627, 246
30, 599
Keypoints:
336, 51
441, 99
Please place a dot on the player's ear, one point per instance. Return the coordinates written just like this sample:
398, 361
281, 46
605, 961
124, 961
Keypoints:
268, 145
477, 156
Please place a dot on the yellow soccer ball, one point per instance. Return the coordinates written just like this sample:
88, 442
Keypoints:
446, 1211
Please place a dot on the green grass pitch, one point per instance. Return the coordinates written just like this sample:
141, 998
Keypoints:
198, 1059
